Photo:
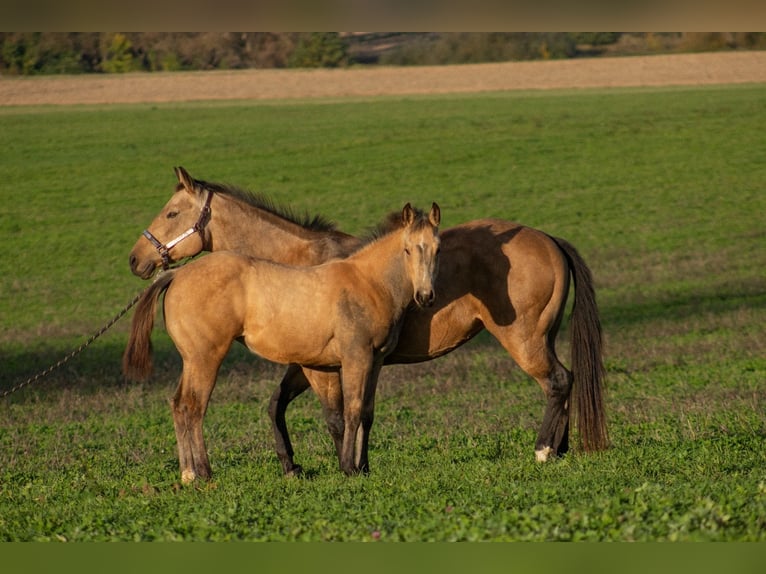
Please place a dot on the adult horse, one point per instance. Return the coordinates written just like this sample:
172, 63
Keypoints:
342, 316
498, 275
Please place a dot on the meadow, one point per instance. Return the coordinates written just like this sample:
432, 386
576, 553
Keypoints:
661, 190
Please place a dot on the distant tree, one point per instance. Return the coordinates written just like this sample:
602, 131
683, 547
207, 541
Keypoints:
319, 50
118, 55
595, 38
47, 53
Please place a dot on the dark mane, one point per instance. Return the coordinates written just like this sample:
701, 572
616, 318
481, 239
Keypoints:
260, 201
393, 222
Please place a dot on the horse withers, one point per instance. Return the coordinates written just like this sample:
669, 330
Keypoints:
343, 316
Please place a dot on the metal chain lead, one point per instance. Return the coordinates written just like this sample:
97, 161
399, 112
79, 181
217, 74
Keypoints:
79, 349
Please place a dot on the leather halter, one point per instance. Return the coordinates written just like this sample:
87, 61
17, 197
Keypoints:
198, 227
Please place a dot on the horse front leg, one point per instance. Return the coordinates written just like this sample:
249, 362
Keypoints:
368, 417
293, 384
355, 376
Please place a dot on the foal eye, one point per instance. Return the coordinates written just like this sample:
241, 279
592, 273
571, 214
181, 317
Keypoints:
406, 250
172, 214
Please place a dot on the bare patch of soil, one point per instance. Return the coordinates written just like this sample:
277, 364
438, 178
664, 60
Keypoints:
662, 70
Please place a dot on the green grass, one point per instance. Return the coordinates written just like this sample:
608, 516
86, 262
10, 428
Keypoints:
661, 190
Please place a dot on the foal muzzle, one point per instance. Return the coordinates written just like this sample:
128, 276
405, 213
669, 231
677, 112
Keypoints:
425, 298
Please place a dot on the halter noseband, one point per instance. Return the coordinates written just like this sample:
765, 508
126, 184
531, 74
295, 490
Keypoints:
198, 227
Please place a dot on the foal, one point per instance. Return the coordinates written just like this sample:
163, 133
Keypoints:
342, 316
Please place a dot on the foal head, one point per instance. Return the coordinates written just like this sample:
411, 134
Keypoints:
421, 250
177, 231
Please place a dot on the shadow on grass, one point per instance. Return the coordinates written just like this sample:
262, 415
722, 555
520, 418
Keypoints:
96, 367
100, 364
717, 299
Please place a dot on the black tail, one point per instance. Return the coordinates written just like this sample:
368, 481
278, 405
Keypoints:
587, 356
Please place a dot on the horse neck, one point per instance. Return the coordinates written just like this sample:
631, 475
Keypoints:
254, 231
382, 263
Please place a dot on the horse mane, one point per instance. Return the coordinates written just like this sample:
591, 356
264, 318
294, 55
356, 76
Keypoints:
260, 201
391, 223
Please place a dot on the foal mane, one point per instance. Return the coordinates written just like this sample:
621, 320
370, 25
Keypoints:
392, 223
260, 201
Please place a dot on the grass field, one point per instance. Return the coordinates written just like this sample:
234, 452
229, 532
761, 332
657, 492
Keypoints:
661, 190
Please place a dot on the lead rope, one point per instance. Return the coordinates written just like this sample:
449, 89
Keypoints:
79, 349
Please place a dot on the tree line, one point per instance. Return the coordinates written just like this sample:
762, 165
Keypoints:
28, 53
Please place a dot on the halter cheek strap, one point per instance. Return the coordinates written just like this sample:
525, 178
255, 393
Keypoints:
198, 227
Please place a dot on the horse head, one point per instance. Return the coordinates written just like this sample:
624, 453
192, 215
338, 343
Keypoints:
421, 250
177, 232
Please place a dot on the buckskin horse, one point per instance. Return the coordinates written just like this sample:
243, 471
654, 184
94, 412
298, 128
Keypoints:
342, 317
498, 275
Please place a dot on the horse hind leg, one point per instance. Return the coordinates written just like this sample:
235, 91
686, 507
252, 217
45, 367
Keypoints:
536, 356
327, 387
189, 405
553, 437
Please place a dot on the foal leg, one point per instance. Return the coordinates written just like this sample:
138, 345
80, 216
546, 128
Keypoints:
188, 406
368, 416
355, 375
327, 386
293, 384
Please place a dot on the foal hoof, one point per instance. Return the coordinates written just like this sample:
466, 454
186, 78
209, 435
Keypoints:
188, 476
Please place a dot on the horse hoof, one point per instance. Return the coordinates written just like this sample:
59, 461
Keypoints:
542, 454
188, 476
296, 470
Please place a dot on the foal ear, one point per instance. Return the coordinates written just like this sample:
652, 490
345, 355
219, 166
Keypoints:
408, 215
185, 179
435, 216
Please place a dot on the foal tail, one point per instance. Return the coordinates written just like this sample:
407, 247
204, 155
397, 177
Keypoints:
587, 362
137, 359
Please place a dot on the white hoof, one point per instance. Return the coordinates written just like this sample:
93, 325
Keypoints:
188, 476
542, 454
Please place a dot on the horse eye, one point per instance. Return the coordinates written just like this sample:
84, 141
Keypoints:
172, 214
406, 250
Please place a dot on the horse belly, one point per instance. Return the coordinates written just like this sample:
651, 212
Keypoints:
428, 333
292, 342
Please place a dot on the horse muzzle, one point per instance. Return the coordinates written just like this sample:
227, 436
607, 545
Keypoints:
145, 270
425, 298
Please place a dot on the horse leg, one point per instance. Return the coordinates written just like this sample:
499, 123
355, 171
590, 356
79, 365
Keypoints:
368, 416
327, 386
189, 406
355, 376
553, 437
293, 384
536, 356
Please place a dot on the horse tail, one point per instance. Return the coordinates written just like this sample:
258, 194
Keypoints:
587, 361
137, 358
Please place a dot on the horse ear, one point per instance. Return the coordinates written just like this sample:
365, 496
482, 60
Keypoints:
184, 179
435, 216
408, 215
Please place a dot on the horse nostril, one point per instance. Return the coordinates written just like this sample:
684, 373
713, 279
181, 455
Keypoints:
424, 298
132, 261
